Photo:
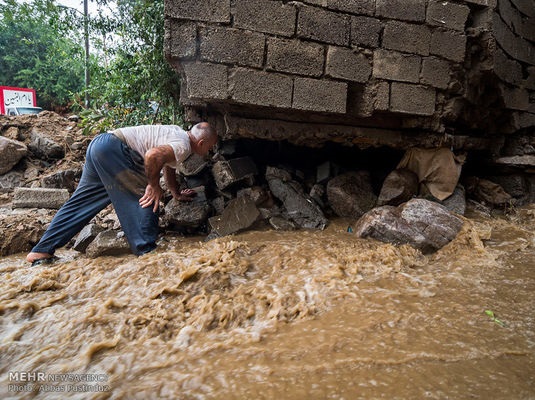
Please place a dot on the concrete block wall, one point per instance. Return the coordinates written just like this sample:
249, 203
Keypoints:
350, 61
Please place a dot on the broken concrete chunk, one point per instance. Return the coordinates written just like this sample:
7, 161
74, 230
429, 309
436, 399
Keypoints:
239, 214
39, 198
487, 192
229, 172
192, 165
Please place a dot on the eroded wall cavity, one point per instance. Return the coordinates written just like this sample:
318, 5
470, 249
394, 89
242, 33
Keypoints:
361, 72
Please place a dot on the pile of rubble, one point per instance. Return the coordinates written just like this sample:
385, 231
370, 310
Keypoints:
41, 159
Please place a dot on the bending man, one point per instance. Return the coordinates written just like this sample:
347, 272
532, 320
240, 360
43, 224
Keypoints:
123, 168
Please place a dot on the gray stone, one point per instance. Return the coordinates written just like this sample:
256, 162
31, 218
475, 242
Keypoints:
457, 201
351, 194
45, 148
11, 180
11, 152
299, 206
86, 236
190, 214
39, 198
256, 193
423, 224
108, 243
399, 186
229, 172
239, 214
62, 180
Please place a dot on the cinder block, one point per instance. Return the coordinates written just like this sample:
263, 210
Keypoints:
447, 14
435, 72
412, 99
227, 45
361, 7
205, 10
319, 95
348, 64
267, 16
365, 31
180, 40
448, 44
395, 66
364, 100
295, 56
261, 88
205, 81
407, 10
323, 26
410, 38
39, 198
227, 173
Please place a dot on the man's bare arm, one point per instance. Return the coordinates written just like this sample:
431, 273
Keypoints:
155, 159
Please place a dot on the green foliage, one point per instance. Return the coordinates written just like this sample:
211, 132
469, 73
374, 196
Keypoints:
38, 50
42, 46
138, 86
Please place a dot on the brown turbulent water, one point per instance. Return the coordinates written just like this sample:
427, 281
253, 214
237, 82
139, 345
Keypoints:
278, 315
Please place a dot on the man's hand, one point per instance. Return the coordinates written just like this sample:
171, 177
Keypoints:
152, 195
185, 195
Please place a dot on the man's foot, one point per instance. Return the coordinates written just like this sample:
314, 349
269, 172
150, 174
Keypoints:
33, 257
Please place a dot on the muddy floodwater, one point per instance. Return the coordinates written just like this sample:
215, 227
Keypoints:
278, 315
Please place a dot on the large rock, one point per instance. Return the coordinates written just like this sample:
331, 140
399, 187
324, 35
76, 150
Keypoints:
423, 224
227, 173
45, 148
351, 194
399, 186
62, 180
11, 152
239, 214
86, 236
299, 206
108, 243
191, 214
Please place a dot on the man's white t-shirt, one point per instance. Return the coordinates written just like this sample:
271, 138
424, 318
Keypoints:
144, 137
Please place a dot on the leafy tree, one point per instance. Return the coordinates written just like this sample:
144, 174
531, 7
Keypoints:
138, 85
39, 49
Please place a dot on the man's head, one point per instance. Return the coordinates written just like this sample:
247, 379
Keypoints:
203, 137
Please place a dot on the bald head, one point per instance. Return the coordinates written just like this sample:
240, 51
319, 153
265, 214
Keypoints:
205, 131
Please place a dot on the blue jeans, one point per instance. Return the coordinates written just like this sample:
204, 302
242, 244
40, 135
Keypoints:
114, 173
